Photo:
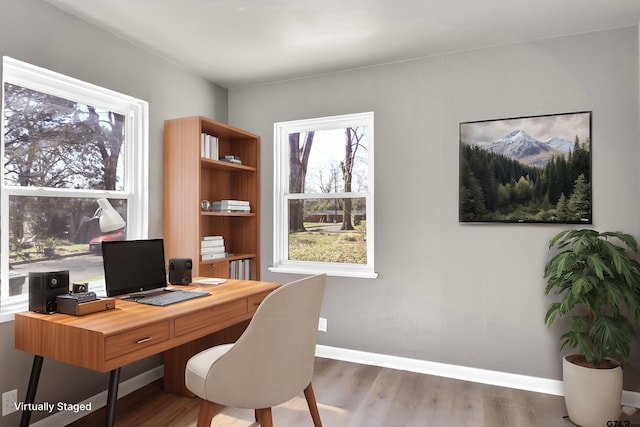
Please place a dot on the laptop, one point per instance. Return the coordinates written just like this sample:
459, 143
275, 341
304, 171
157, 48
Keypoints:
136, 270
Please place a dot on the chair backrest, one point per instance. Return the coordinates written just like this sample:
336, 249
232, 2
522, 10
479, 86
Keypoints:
273, 360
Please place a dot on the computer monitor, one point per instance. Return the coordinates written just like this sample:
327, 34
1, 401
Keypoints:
133, 265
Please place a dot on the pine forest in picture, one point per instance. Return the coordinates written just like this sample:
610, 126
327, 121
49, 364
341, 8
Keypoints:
529, 169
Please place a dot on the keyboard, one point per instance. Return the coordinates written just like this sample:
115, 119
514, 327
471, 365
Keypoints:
173, 297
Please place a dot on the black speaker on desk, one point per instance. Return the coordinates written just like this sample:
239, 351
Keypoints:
44, 289
180, 271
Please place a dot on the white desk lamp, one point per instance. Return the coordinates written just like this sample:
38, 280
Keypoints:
110, 219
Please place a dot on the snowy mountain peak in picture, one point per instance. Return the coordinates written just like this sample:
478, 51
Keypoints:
560, 144
518, 145
521, 146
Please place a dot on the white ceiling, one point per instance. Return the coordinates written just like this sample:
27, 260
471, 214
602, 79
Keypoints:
244, 42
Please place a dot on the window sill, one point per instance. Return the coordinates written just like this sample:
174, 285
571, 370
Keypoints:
7, 317
361, 274
11, 306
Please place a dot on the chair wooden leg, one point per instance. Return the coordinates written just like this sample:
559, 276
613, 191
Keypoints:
207, 411
264, 417
313, 407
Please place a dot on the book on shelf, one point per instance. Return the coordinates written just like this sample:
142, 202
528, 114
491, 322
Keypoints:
212, 247
231, 206
212, 243
209, 146
232, 202
231, 159
234, 209
207, 257
240, 269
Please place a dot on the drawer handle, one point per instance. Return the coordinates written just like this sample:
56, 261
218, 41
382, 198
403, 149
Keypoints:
143, 340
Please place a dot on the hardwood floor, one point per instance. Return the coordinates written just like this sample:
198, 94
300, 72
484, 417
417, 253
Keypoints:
354, 395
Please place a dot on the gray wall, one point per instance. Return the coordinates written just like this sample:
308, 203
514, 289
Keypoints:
461, 294
35, 32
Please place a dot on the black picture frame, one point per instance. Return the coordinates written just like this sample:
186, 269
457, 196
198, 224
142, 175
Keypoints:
532, 169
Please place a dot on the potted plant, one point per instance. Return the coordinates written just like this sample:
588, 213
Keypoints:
598, 278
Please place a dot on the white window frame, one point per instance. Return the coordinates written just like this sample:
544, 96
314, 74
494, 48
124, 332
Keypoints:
136, 155
281, 262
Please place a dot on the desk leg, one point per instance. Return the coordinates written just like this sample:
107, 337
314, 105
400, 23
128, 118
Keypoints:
30, 398
112, 397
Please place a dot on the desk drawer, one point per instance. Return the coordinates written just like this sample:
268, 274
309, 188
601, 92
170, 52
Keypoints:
209, 317
132, 341
255, 300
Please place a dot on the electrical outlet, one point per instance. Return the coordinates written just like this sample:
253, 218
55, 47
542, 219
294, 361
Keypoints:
322, 324
9, 401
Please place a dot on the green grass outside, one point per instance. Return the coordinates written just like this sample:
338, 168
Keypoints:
342, 247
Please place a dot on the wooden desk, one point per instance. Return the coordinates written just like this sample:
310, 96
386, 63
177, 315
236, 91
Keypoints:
108, 340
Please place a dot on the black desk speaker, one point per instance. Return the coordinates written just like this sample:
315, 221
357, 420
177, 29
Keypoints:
44, 289
180, 271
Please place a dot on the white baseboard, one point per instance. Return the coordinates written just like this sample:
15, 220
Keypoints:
483, 376
99, 400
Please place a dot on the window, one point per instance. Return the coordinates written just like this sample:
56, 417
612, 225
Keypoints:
65, 145
323, 196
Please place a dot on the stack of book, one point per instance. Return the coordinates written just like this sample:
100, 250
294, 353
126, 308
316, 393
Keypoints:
231, 159
231, 206
212, 247
208, 146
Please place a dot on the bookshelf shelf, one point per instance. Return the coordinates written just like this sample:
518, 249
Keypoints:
239, 214
190, 178
220, 165
228, 258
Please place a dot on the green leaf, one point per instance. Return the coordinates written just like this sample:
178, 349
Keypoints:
558, 237
598, 265
628, 240
552, 312
611, 336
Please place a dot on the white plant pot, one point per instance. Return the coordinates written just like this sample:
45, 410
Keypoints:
593, 396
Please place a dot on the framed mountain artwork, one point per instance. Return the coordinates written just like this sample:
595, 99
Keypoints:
526, 170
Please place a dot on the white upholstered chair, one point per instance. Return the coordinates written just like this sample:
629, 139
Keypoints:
271, 362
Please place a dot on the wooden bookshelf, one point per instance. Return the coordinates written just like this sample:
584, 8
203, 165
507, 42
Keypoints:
190, 178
